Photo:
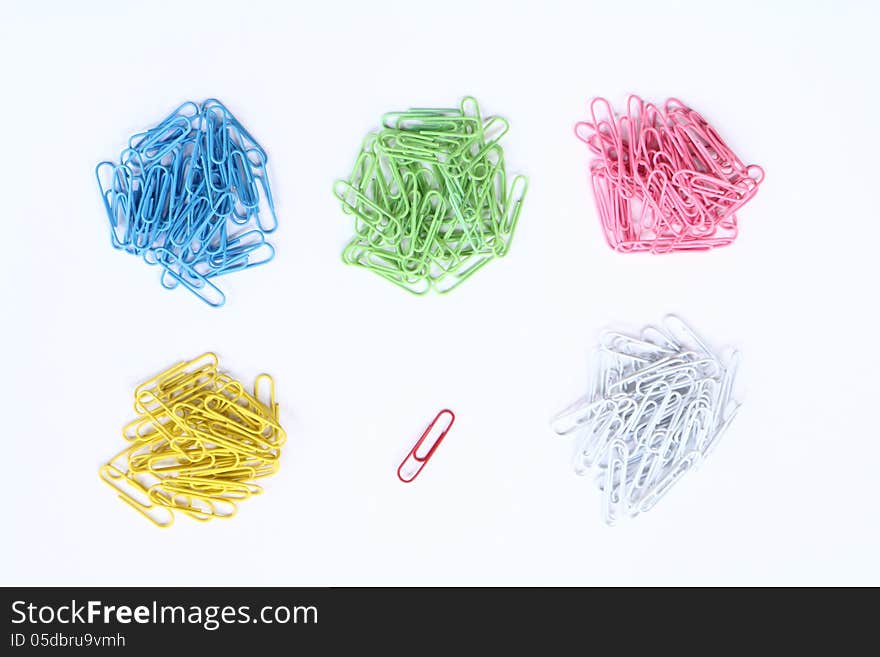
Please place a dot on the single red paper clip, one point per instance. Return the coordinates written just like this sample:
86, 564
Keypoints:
418, 461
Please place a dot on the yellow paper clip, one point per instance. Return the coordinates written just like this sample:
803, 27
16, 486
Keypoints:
198, 443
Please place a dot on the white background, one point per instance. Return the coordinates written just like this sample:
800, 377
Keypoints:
789, 497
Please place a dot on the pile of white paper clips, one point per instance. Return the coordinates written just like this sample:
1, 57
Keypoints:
658, 405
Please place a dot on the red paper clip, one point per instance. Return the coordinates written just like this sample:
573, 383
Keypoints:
405, 470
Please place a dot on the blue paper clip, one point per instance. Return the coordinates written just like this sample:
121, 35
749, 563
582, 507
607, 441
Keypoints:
192, 195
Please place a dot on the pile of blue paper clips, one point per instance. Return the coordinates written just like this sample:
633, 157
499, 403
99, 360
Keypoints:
192, 196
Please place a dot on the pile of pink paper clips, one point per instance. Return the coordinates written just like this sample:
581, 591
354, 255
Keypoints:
663, 179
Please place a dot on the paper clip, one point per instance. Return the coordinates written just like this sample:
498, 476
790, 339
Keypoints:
660, 404
415, 461
192, 195
198, 443
663, 180
430, 198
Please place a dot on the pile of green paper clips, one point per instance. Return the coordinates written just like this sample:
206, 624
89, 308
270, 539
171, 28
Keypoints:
430, 197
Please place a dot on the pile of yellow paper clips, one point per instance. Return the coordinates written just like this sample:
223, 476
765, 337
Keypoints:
198, 444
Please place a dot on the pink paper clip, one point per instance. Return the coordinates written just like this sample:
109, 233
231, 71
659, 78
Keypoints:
663, 179
412, 465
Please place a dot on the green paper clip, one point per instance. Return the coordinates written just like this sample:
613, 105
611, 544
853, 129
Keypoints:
430, 199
